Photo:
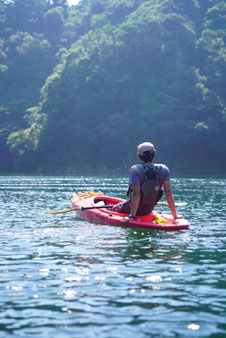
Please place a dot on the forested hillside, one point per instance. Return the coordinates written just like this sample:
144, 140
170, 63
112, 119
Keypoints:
81, 86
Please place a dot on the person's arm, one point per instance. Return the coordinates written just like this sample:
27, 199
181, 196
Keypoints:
135, 199
170, 199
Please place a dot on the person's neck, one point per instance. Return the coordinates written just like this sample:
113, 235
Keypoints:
147, 162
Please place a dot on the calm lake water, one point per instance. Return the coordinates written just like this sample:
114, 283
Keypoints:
61, 276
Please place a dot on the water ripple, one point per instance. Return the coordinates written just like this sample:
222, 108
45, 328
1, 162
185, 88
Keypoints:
61, 276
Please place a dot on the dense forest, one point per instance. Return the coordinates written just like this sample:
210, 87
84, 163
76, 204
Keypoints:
81, 86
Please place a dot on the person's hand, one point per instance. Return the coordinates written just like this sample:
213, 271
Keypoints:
178, 217
128, 218
125, 220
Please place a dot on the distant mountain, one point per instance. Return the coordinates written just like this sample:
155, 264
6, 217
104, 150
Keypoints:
82, 85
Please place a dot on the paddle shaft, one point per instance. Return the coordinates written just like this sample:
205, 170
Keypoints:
95, 207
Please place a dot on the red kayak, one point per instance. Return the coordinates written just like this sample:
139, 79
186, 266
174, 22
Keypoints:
95, 209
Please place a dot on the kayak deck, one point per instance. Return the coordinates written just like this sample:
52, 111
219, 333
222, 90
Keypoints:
154, 220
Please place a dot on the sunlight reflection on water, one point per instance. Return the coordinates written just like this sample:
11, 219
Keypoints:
61, 276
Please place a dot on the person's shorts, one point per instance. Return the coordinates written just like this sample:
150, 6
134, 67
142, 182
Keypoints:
122, 207
125, 208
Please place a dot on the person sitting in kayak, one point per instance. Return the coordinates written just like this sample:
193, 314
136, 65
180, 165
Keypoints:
145, 185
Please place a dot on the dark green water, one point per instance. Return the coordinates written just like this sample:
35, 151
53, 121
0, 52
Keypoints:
64, 277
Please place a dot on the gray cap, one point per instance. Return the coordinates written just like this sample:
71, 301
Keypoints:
146, 146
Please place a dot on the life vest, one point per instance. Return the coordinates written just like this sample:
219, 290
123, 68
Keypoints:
151, 191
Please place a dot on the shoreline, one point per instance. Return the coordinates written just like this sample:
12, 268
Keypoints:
104, 174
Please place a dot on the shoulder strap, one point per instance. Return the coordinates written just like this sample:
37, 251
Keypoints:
149, 171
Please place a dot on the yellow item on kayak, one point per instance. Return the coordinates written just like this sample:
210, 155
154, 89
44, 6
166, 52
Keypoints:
159, 220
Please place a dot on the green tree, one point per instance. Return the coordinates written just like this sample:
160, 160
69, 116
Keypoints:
114, 73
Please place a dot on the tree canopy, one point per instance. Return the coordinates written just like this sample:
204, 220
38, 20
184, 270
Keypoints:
81, 86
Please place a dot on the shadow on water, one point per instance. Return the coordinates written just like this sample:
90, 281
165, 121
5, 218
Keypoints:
149, 245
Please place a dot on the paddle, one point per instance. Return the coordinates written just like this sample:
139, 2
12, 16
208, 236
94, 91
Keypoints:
78, 208
178, 204
104, 206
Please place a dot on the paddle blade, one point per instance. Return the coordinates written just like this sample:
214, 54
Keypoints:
178, 204
62, 211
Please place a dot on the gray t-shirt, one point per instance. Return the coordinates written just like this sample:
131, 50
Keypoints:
137, 176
